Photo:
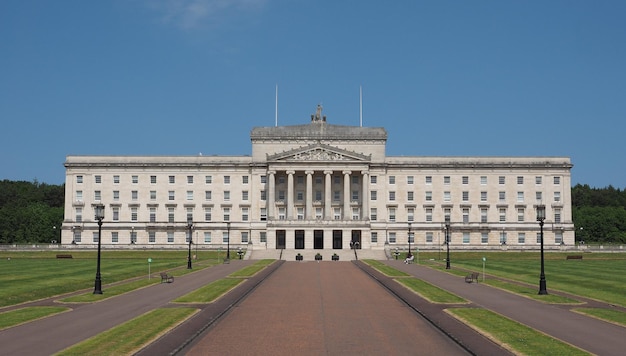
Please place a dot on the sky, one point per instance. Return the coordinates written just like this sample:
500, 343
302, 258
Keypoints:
444, 78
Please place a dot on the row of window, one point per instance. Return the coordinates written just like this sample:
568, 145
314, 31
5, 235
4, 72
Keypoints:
171, 179
466, 238
169, 237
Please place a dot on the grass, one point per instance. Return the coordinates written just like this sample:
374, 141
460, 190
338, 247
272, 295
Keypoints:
112, 291
592, 277
430, 292
131, 336
251, 270
211, 291
530, 292
28, 276
610, 315
513, 335
384, 269
23, 315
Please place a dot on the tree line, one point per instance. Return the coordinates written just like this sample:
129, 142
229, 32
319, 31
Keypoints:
32, 212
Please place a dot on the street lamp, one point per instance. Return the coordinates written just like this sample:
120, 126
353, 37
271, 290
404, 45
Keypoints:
189, 226
99, 215
448, 241
228, 241
541, 216
409, 238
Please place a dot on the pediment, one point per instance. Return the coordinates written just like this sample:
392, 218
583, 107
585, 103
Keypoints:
318, 153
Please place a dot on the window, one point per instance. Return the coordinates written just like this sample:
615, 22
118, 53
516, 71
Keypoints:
207, 237
318, 195
300, 213
116, 213
446, 180
152, 213
483, 196
98, 179
429, 237
520, 180
189, 214
116, 195
133, 237
465, 180
299, 195
521, 238
95, 237
410, 214
409, 180
501, 180
483, 180
244, 179
466, 237
374, 237
336, 195
116, 179
244, 237
318, 212
520, 214
502, 196
503, 238
520, 197
134, 179
153, 179
153, 195
337, 213
392, 179
263, 179
447, 196
557, 196
281, 195
244, 195
356, 214
263, 214
299, 179
263, 195
557, 216
538, 180
483, 215
465, 196
281, 213
428, 196
557, 180
152, 237
392, 196
428, 180
538, 196
227, 195
171, 195
79, 195
373, 179
170, 215
502, 213
245, 213
558, 237
79, 179
465, 215
355, 195
170, 237
134, 214
539, 237
172, 179
226, 212
189, 179
484, 238
373, 214
97, 195
392, 214
410, 196
208, 179
226, 179
429, 214
207, 214
79, 214
373, 195
355, 179
392, 237
263, 236
134, 195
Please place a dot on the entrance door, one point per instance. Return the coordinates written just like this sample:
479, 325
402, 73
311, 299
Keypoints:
318, 239
337, 237
280, 239
355, 242
299, 240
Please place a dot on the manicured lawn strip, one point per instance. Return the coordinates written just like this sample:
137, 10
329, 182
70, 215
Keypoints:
384, 269
111, 291
530, 292
614, 316
211, 291
513, 335
592, 277
129, 337
430, 292
251, 270
27, 276
19, 316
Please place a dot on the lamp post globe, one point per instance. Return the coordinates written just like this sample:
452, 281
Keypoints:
541, 216
189, 227
99, 215
447, 224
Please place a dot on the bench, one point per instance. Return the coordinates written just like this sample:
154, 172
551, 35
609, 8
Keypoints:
574, 257
409, 260
166, 278
64, 256
472, 277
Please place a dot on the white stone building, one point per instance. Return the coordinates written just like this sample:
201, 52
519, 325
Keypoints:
318, 186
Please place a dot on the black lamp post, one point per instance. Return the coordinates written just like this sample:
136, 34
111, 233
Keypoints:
409, 238
99, 215
448, 241
228, 241
189, 226
541, 216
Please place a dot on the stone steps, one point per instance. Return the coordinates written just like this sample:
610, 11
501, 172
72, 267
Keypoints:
309, 255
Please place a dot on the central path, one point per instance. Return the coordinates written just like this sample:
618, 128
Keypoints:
327, 308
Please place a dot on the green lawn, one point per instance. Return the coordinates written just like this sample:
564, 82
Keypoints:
23, 315
27, 276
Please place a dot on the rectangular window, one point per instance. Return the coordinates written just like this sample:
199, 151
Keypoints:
207, 214
116, 195
447, 196
244, 179
521, 238
392, 214
501, 180
134, 179
263, 179
152, 215
79, 179
244, 237
170, 215
355, 195
96, 237
263, 195
151, 237
153, 179
502, 196
116, 179
520, 197
79, 195
263, 236
446, 180
392, 237
410, 214
190, 195
520, 214
207, 237
429, 237
392, 179
392, 196
538, 196
465, 215
170, 237
557, 196
337, 195
428, 196
189, 179
116, 213
503, 238
134, 195
79, 214
373, 179
133, 214
466, 237
356, 214
337, 213
520, 180
558, 237
355, 179
245, 213
465, 196
502, 213
263, 214
483, 196
226, 179
557, 216
318, 213
538, 180
409, 180
171, 195
483, 215
373, 214
410, 196
207, 195
557, 180
244, 195
428, 180
299, 195
429, 214
483, 180
226, 212
374, 237
281, 213
153, 195
484, 238
172, 179
465, 180
318, 195
97, 195
226, 195
208, 179
373, 195
98, 179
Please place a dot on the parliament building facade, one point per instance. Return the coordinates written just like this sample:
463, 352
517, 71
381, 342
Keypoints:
317, 186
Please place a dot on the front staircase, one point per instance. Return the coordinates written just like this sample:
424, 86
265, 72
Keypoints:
309, 255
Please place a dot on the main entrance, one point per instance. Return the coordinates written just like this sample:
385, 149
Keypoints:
355, 241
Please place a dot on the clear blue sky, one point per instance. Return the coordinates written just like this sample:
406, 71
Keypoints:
445, 78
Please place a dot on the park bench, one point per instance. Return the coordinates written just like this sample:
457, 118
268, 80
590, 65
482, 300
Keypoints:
61, 255
409, 260
472, 277
574, 257
166, 278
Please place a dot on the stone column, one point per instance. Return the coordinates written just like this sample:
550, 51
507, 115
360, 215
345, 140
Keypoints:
365, 207
346, 195
328, 195
290, 193
309, 195
271, 195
